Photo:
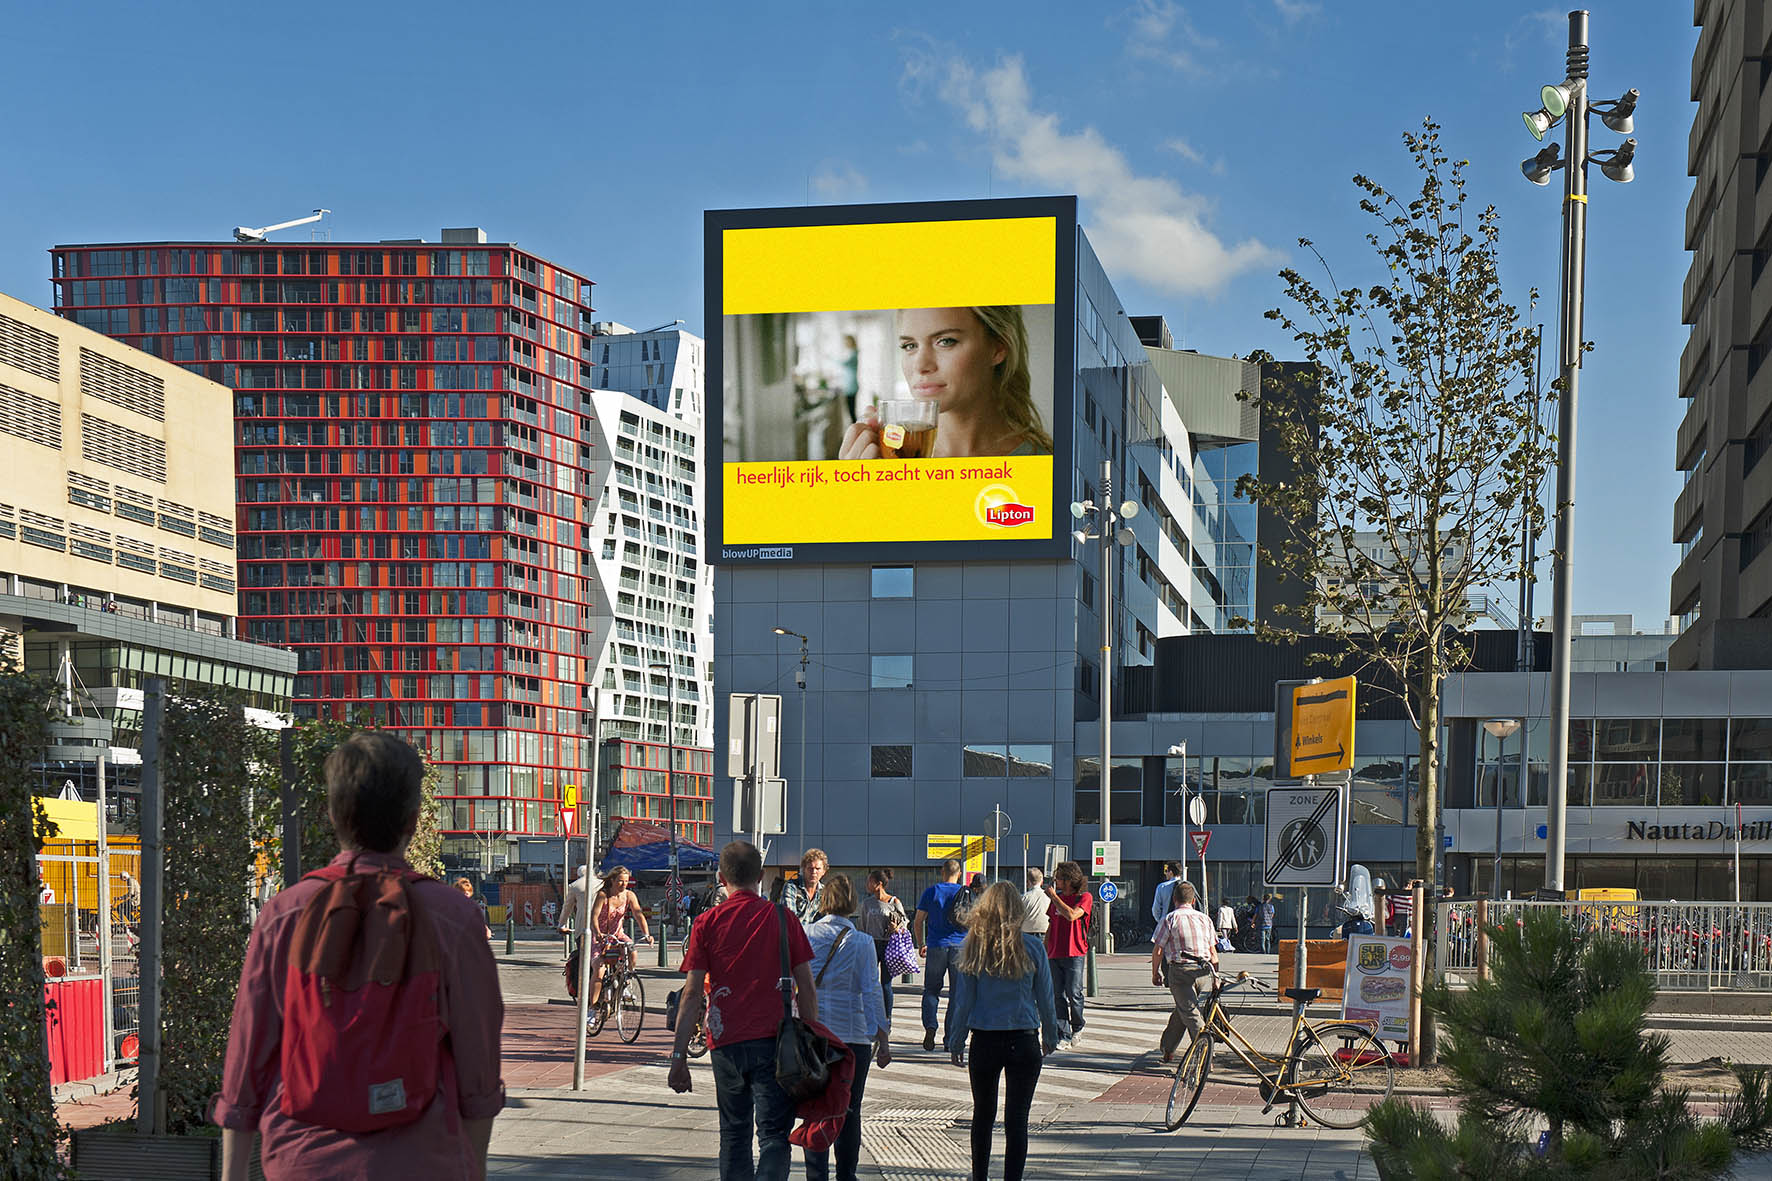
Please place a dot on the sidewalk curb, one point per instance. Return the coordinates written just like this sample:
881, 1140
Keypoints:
90, 1088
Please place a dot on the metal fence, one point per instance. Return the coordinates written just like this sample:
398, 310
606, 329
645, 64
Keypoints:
81, 941
1690, 946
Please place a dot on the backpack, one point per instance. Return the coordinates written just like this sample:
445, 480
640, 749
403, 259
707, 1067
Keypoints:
958, 910
362, 1033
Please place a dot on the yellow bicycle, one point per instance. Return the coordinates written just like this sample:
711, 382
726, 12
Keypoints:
1336, 1070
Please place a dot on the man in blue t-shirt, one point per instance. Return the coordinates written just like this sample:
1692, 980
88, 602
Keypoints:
938, 942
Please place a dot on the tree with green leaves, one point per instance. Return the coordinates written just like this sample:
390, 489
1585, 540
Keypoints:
1555, 1039
313, 741
28, 1130
1413, 468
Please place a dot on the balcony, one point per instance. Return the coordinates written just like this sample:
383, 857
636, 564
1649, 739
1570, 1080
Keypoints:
1689, 509
1695, 365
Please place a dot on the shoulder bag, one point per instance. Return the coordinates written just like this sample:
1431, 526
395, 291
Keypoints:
803, 1058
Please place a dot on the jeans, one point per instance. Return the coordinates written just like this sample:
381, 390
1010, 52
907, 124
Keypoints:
1184, 989
1267, 941
744, 1083
938, 965
818, 1164
1067, 993
885, 979
1011, 1052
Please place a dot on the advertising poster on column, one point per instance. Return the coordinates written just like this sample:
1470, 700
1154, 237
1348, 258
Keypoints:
1376, 991
890, 378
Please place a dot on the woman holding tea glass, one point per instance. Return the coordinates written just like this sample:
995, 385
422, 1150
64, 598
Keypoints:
971, 392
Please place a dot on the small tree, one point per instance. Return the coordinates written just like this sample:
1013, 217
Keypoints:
1410, 470
1556, 1037
315, 740
28, 1130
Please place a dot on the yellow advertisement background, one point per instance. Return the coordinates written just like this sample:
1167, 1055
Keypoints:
907, 264
792, 505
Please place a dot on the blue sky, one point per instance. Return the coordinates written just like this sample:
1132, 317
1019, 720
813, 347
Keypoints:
1203, 138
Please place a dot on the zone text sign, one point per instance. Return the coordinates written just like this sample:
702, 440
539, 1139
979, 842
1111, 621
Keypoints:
1305, 837
1313, 727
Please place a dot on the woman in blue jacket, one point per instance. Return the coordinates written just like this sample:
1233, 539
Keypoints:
1003, 997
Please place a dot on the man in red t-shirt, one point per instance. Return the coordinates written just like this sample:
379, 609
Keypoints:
734, 968
1067, 942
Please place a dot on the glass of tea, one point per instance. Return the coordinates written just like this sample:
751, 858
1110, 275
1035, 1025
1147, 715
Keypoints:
907, 427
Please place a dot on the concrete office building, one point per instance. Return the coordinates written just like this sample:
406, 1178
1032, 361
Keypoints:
416, 464
1722, 588
939, 691
117, 537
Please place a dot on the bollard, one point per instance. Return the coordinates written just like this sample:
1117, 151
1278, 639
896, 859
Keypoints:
510, 933
1482, 939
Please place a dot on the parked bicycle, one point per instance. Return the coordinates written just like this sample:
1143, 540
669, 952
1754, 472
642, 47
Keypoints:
1336, 1070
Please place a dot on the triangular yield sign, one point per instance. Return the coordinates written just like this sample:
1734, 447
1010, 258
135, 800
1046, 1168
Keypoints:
1200, 840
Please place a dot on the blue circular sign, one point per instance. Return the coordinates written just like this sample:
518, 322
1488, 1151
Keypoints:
1108, 891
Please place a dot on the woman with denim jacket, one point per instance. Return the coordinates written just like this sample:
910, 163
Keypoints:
1003, 996
847, 977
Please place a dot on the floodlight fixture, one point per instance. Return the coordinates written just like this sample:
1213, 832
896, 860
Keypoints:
1128, 509
1125, 537
1501, 727
1618, 113
1082, 508
1555, 97
1082, 537
1538, 122
1617, 163
1539, 168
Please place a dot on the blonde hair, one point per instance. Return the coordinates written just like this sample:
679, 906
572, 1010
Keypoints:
994, 945
811, 855
1014, 382
837, 896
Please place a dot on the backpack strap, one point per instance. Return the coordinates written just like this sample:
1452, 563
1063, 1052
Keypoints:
818, 981
786, 983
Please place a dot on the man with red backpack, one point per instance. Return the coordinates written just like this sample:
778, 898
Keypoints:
365, 1037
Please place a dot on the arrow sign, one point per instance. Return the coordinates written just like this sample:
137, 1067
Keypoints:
1304, 698
1337, 754
1200, 840
1316, 719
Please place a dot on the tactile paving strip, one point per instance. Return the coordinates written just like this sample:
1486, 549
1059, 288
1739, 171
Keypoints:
919, 1143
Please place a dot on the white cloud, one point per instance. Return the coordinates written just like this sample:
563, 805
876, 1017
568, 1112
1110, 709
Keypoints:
1161, 31
1293, 11
838, 178
1531, 29
1143, 227
1193, 155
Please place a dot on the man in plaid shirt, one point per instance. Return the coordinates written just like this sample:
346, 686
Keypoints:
1183, 930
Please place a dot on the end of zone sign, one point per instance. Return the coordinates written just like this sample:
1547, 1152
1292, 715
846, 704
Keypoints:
1305, 830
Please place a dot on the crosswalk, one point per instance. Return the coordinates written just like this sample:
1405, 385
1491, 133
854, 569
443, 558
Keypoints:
1112, 1040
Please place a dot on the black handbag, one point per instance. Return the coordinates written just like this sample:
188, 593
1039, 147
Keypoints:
803, 1058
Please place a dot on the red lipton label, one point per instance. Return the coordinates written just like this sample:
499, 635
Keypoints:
1009, 515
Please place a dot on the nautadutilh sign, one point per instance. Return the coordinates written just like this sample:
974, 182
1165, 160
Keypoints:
1716, 830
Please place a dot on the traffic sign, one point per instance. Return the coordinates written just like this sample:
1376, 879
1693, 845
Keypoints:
1196, 810
1200, 840
1304, 845
967, 849
1107, 891
1314, 727
569, 799
1104, 857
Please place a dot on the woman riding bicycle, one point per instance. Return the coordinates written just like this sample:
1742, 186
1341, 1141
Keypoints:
615, 902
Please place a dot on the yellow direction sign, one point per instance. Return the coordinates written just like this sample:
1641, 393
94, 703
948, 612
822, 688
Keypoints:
967, 849
1322, 727
570, 799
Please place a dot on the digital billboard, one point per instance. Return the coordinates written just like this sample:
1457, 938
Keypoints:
890, 381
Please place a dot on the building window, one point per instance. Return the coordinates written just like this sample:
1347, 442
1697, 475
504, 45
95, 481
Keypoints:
891, 762
1128, 791
894, 582
984, 761
1030, 760
890, 672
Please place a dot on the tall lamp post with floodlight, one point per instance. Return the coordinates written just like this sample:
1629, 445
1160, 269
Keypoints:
673, 891
800, 680
1099, 523
1567, 103
1499, 729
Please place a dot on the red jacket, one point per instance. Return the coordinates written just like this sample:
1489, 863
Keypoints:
824, 1114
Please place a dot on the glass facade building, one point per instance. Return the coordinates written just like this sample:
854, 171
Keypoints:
412, 447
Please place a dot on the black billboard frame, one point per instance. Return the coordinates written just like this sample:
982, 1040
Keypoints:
716, 222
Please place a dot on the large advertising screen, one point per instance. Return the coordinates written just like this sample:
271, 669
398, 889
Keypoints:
890, 381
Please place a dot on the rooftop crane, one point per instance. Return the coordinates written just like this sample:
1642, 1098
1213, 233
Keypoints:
248, 234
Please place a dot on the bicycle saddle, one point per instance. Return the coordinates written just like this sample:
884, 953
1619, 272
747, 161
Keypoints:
1303, 995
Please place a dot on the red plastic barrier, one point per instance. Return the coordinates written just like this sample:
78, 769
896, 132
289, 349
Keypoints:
76, 1021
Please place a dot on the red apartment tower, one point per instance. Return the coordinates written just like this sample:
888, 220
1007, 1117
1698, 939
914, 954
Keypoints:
412, 456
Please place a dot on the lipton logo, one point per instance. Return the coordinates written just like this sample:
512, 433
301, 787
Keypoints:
1009, 515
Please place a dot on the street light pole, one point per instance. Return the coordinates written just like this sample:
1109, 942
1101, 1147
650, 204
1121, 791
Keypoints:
800, 680
673, 890
1569, 102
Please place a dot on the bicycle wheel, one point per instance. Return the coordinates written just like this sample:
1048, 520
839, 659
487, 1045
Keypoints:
698, 1041
630, 1009
1190, 1079
598, 1014
1342, 1073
